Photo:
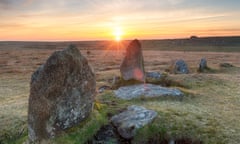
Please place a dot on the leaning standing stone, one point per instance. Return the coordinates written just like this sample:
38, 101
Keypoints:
61, 94
132, 66
181, 67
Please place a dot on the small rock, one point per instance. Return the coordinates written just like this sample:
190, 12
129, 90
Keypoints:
155, 78
153, 75
103, 88
147, 91
202, 65
88, 52
181, 67
132, 119
106, 134
132, 66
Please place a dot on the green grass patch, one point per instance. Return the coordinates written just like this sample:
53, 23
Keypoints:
83, 132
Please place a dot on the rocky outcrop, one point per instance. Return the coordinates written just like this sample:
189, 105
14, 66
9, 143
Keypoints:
132, 66
61, 94
132, 119
146, 91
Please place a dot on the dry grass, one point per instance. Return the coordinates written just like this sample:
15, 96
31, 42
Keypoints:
211, 114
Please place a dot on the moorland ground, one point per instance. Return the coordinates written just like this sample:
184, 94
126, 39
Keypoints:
209, 111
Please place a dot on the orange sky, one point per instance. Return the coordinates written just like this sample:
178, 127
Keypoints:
99, 19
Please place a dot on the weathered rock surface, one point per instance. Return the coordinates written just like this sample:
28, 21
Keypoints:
61, 94
154, 75
181, 67
155, 78
147, 91
202, 65
132, 119
132, 66
101, 89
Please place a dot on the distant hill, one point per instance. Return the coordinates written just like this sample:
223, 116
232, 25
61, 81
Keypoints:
193, 43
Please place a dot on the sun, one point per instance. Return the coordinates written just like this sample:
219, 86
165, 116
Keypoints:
118, 32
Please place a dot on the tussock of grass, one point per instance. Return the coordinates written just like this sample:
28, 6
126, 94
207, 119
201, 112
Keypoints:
83, 132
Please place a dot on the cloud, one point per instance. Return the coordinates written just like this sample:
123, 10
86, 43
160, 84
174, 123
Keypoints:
4, 4
99, 15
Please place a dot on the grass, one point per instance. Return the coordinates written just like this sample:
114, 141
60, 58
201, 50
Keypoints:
13, 108
209, 112
208, 115
83, 132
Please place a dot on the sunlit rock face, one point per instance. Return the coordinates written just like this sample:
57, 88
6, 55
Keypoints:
132, 119
61, 94
132, 66
181, 67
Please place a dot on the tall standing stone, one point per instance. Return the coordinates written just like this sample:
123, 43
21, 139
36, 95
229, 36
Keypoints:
61, 94
132, 66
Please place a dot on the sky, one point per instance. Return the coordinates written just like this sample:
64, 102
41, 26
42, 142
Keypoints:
57, 20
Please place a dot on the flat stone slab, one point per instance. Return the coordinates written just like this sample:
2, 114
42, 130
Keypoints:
146, 90
132, 119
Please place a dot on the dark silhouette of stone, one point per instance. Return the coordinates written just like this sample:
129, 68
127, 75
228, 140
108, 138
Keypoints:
132, 66
202, 65
132, 119
181, 67
193, 37
61, 94
88, 52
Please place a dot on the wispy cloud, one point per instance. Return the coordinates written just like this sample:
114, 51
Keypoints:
95, 18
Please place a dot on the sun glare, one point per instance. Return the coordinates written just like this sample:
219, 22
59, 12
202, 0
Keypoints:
118, 33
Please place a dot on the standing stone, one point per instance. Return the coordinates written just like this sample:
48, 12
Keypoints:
181, 67
61, 94
202, 65
132, 66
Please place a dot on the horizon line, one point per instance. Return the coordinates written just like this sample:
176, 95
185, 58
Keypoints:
95, 40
